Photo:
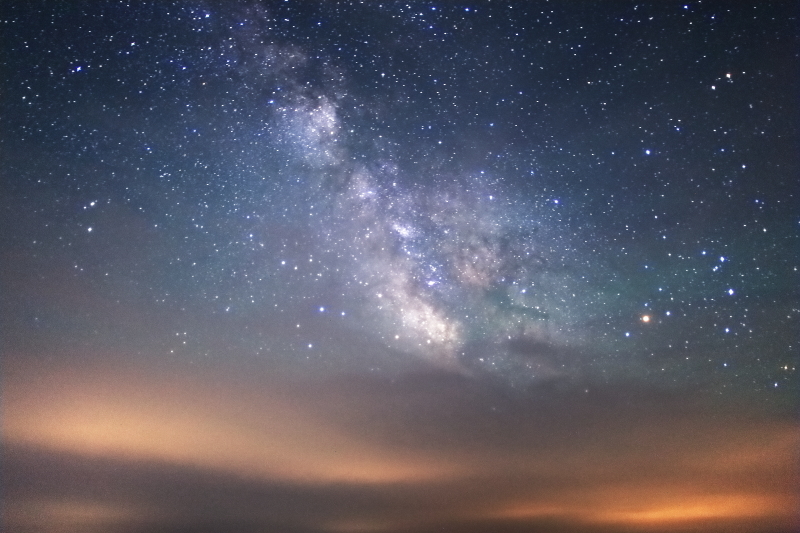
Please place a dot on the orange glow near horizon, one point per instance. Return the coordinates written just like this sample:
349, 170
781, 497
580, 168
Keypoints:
636, 508
263, 431
692, 508
709, 507
253, 433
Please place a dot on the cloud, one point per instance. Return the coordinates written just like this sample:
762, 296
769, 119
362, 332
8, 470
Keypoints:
128, 448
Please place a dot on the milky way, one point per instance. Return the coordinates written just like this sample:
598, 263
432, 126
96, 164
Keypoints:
451, 267
510, 254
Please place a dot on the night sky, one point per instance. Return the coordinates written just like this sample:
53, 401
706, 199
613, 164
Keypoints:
400, 267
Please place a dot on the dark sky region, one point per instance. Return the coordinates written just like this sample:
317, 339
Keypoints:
399, 267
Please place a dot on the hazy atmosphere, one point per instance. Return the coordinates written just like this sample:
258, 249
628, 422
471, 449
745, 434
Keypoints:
399, 267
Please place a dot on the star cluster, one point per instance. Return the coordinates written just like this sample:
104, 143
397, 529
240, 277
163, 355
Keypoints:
520, 203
